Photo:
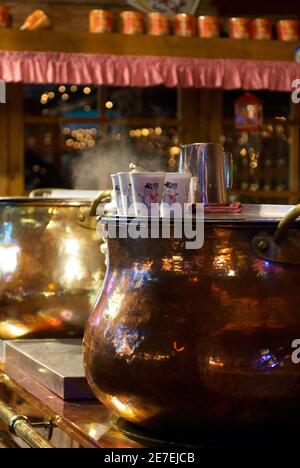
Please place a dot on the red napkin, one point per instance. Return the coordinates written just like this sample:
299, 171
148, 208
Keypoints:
234, 208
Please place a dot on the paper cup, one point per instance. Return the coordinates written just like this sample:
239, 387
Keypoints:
126, 193
176, 191
147, 189
117, 193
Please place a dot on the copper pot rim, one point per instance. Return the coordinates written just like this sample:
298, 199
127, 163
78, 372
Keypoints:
44, 202
230, 221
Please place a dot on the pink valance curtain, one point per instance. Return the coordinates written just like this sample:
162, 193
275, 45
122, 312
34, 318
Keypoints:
55, 68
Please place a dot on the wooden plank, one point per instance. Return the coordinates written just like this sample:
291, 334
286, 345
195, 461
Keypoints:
119, 44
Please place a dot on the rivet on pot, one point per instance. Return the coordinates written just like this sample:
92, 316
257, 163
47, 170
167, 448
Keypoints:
263, 245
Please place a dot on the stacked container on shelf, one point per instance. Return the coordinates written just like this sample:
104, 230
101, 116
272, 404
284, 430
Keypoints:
185, 25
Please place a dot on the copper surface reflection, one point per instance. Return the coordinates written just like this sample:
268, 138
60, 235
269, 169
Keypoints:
9, 257
174, 264
182, 345
51, 268
13, 329
114, 304
215, 362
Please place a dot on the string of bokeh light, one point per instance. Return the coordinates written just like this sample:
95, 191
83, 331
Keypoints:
80, 139
64, 93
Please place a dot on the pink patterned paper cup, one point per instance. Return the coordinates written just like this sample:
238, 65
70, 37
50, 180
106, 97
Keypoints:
147, 190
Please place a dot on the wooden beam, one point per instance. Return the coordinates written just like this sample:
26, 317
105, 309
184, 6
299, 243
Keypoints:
295, 151
3, 151
200, 115
119, 44
12, 143
216, 114
188, 115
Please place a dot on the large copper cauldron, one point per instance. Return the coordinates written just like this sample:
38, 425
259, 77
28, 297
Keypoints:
182, 338
50, 267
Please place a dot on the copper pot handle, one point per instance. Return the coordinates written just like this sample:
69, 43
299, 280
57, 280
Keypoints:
103, 198
86, 216
40, 193
285, 224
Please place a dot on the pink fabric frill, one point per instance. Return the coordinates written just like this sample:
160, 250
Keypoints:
54, 68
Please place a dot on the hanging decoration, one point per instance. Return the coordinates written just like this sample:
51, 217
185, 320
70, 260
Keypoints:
248, 113
171, 7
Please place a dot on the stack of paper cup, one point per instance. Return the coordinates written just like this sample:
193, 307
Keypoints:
126, 193
117, 194
151, 193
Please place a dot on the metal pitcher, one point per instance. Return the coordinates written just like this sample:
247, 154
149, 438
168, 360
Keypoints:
211, 171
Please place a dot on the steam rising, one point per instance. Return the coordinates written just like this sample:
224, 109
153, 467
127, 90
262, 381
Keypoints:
93, 168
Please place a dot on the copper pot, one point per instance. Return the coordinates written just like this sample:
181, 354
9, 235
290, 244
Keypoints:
50, 267
184, 338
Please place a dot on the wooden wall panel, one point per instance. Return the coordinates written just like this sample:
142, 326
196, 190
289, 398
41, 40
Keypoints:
200, 115
12, 143
295, 153
3, 151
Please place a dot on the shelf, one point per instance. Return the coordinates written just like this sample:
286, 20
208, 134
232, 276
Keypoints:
263, 194
119, 44
130, 121
54, 57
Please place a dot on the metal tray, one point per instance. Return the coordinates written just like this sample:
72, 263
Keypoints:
56, 364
